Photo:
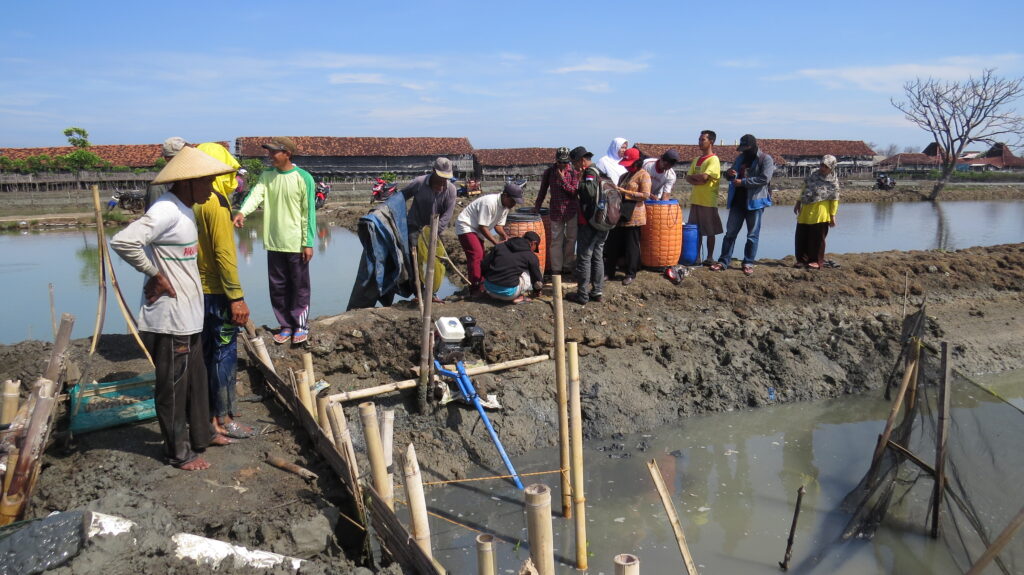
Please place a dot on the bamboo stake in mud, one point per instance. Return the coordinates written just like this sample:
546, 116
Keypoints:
427, 297
673, 518
261, 352
417, 502
302, 390
307, 364
60, 346
12, 462
343, 441
626, 564
998, 544
11, 401
792, 529
387, 439
560, 385
485, 561
375, 453
101, 304
416, 278
538, 528
942, 434
322, 404
576, 418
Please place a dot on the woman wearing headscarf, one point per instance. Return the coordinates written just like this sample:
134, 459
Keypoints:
816, 213
635, 186
609, 163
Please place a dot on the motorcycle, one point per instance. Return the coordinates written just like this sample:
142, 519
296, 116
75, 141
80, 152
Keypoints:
382, 190
322, 191
468, 190
884, 182
132, 201
517, 180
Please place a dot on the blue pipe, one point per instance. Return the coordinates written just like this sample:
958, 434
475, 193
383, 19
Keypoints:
469, 392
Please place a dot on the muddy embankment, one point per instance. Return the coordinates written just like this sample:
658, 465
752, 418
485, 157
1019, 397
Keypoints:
651, 354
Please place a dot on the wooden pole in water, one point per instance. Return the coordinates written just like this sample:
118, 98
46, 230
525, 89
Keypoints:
417, 502
792, 529
666, 500
576, 417
387, 438
427, 297
11, 401
883, 439
916, 379
53, 312
309, 382
626, 564
562, 393
942, 434
375, 453
485, 562
538, 528
997, 545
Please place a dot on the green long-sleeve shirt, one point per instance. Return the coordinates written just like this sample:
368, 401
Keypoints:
289, 209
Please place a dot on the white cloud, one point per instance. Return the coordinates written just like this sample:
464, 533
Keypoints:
890, 78
371, 61
601, 64
423, 112
356, 79
597, 87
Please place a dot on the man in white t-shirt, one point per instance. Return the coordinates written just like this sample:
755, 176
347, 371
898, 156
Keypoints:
474, 225
164, 245
663, 174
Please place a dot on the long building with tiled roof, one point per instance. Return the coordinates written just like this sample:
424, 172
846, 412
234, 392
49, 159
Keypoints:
325, 155
133, 155
507, 161
797, 156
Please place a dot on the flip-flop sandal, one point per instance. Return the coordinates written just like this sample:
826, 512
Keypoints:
235, 430
717, 267
283, 335
301, 335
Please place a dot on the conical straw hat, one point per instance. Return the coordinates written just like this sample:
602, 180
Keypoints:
190, 163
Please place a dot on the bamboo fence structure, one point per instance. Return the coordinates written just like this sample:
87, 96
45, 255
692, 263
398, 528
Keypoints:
485, 560
375, 453
562, 393
417, 501
538, 527
576, 418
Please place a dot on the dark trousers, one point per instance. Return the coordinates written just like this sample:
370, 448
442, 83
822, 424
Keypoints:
181, 395
623, 242
810, 243
220, 354
288, 276
590, 262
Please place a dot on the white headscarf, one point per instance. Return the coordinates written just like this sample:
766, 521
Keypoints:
609, 163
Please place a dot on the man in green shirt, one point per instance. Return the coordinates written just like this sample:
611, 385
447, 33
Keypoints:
288, 196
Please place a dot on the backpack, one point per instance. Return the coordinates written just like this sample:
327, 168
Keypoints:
602, 212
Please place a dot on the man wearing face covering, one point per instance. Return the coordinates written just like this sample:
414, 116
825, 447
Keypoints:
750, 180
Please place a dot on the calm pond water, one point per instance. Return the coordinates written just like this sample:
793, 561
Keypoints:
67, 259
733, 478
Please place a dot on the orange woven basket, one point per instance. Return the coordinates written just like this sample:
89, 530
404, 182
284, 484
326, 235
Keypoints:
661, 238
518, 223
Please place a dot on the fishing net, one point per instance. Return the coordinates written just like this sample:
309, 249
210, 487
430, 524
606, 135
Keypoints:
984, 490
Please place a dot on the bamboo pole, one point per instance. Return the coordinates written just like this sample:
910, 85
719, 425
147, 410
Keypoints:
677, 528
626, 564
492, 367
322, 404
307, 363
416, 278
343, 442
942, 435
576, 418
538, 528
101, 305
53, 312
129, 319
281, 463
302, 387
11, 401
915, 380
563, 407
417, 502
387, 438
261, 352
60, 346
427, 297
792, 529
375, 453
893, 412
998, 544
485, 561
12, 462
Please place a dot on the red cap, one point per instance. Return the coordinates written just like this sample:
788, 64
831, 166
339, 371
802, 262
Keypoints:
630, 157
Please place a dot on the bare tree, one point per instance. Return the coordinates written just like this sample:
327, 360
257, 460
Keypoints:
890, 150
911, 150
958, 114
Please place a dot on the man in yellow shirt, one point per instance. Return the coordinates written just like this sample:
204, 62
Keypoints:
704, 174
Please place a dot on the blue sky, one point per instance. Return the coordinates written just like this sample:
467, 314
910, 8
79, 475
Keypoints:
508, 74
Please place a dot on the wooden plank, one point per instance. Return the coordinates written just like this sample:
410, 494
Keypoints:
909, 455
942, 435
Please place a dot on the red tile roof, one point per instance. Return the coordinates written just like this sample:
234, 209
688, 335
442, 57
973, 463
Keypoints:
690, 152
838, 148
910, 160
500, 157
134, 156
361, 147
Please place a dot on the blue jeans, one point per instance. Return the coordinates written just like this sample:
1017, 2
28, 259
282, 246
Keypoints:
590, 261
737, 216
220, 354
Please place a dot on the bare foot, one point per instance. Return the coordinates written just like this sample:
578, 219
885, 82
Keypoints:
197, 464
220, 440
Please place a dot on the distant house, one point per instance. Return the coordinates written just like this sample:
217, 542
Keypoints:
365, 157
792, 157
496, 163
999, 157
909, 163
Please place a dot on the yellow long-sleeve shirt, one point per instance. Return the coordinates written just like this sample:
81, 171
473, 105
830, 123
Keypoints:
218, 258
817, 212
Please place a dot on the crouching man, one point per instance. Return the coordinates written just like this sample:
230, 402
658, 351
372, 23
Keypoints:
511, 269
164, 244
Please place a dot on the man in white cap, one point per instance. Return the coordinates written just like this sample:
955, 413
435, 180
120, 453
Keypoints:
170, 148
164, 245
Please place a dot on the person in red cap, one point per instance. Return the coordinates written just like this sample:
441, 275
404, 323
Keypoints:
635, 187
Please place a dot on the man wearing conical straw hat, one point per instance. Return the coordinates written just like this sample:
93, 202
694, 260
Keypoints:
164, 245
